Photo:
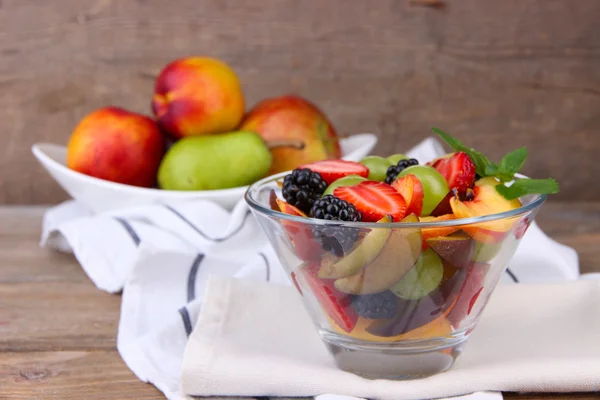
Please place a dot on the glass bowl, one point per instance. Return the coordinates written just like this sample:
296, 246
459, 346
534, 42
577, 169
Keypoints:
393, 300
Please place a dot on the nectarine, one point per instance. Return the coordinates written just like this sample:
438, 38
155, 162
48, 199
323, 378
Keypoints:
197, 96
117, 145
293, 117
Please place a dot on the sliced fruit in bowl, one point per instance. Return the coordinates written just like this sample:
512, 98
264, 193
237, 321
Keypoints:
332, 170
457, 249
411, 189
334, 303
364, 254
402, 267
486, 200
457, 169
396, 258
433, 183
374, 200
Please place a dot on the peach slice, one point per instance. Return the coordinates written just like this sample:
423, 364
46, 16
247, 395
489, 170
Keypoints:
455, 249
428, 233
306, 246
411, 189
486, 200
287, 208
440, 326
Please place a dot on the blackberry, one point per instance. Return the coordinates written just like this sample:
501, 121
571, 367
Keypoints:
394, 170
336, 239
375, 306
302, 187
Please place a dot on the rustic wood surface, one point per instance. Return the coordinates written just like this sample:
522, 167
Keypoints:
499, 73
58, 332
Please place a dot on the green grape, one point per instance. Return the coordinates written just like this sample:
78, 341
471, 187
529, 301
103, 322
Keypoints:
378, 167
421, 279
397, 157
485, 252
435, 187
348, 180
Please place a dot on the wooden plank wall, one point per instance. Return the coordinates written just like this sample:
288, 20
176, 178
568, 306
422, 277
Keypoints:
497, 73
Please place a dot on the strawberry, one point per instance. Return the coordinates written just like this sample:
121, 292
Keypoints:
335, 303
332, 170
469, 293
374, 200
293, 275
458, 169
522, 227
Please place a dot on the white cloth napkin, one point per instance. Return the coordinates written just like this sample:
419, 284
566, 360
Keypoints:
257, 338
160, 256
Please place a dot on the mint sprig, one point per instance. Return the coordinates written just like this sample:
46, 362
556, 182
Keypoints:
523, 187
504, 171
480, 161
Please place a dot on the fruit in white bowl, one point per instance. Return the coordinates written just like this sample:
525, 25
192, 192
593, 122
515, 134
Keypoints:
100, 195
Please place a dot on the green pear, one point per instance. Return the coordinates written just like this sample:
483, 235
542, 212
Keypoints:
212, 162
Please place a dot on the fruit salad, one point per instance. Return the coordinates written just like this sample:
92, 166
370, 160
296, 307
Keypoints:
424, 275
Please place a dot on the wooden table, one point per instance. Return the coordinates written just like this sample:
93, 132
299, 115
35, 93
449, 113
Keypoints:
57, 331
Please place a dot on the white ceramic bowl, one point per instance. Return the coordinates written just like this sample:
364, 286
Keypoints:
100, 195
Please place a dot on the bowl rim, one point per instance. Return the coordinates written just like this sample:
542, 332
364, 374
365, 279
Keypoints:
39, 151
537, 202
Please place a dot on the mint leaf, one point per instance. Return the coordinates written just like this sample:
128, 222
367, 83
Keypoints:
481, 162
495, 170
523, 187
505, 171
512, 162
451, 141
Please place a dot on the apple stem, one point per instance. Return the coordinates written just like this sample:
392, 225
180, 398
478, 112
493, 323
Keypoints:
291, 143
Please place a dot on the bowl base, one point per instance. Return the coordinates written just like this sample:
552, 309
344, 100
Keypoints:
394, 361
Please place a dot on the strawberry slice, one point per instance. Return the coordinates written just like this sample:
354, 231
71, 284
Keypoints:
332, 170
522, 227
374, 200
458, 169
469, 293
335, 303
